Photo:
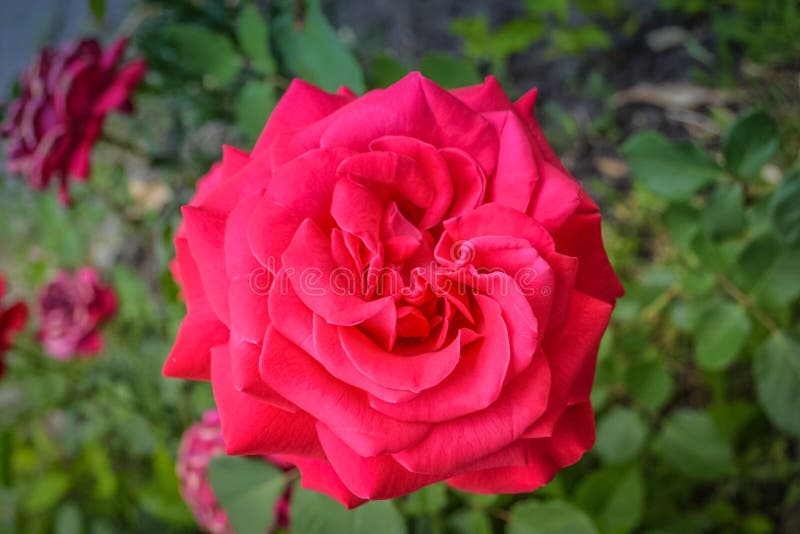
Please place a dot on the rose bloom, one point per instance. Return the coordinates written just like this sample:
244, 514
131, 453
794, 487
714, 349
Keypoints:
12, 320
70, 310
398, 289
201, 443
64, 98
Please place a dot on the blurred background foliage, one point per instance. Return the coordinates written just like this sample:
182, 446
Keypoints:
682, 117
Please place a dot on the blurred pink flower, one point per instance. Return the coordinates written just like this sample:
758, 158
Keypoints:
12, 319
64, 98
201, 443
70, 310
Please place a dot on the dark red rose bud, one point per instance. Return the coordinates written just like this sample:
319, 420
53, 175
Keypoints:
12, 319
70, 310
65, 96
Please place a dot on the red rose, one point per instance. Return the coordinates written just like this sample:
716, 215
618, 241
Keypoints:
70, 310
398, 289
12, 320
65, 96
201, 443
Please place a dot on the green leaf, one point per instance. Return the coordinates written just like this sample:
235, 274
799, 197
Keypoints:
98, 9
254, 104
448, 70
575, 41
776, 370
480, 42
68, 519
693, 445
469, 522
651, 384
624, 507
551, 517
683, 223
45, 492
247, 490
720, 336
427, 501
312, 50
614, 497
202, 51
723, 215
315, 513
779, 285
621, 434
784, 210
750, 143
385, 70
253, 34
670, 169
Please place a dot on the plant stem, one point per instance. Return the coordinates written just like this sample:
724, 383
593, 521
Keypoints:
743, 299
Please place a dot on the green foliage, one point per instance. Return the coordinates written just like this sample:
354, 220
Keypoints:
449, 71
692, 443
673, 170
551, 517
776, 369
311, 49
784, 210
248, 490
253, 34
620, 435
750, 144
205, 52
314, 513
98, 9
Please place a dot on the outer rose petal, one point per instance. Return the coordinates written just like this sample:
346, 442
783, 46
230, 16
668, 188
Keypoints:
379, 477
251, 426
418, 108
538, 459
301, 104
205, 235
453, 445
573, 356
581, 237
484, 97
318, 475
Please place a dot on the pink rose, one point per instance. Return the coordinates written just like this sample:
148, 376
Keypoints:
398, 289
201, 443
65, 96
70, 310
12, 320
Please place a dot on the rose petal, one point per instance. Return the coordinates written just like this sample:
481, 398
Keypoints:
453, 445
310, 270
529, 464
344, 409
474, 384
379, 477
251, 426
318, 475
413, 107
573, 356
581, 237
